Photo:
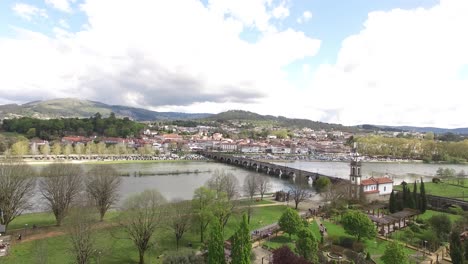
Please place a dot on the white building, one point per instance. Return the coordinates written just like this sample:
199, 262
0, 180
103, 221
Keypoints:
382, 186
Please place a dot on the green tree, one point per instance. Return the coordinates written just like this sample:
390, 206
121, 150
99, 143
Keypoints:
31, 133
216, 245
415, 196
20, 148
56, 148
67, 149
429, 136
241, 244
290, 221
202, 204
394, 254
45, 149
422, 197
441, 225
358, 224
392, 203
456, 248
79, 148
322, 183
307, 245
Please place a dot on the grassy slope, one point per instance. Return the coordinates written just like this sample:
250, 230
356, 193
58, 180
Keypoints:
441, 189
111, 242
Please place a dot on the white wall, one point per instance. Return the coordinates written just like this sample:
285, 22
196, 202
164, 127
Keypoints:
385, 188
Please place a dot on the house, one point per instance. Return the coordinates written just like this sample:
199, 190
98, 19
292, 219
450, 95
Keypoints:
377, 188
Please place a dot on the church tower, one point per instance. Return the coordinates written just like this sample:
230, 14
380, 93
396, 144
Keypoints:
355, 173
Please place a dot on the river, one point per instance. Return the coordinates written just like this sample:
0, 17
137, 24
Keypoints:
178, 180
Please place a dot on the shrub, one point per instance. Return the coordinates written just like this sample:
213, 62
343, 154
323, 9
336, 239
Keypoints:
183, 257
435, 180
346, 242
415, 229
358, 246
455, 209
419, 221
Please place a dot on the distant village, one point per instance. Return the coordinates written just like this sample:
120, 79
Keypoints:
173, 139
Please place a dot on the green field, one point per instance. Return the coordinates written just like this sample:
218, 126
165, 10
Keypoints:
441, 189
112, 242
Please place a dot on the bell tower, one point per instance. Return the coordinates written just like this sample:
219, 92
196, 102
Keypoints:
355, 173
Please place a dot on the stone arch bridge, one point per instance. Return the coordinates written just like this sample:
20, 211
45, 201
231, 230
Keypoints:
284, 172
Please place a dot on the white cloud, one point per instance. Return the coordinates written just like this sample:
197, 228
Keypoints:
306, 16
63, 24
402, 68
62, 5
280, 12
159, 56
28, 12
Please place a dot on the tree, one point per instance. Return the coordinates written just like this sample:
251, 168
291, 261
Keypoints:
79, 148
441, 225
224, 182
335, 193
67, 149
45, 149
223, 208
290, 221
142, 214
392, 207
56, 148
250, 188
299, 193
202, 204
179, 219
422, 197
394, 254
456, 248
20, 148
264, 185
79, 228
241, 244
322, 183
415, 196
216, 245
307, 245
60, 185
184, 256
102, 185
429, 136
17, 183
358, 224
284, 255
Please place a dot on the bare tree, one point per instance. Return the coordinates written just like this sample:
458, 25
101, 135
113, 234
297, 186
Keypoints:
335, 192
264, 185
82, 240
179, 218
102, 185
250, 188
17, 182
224, 182
141, 216
60, 186
299, 193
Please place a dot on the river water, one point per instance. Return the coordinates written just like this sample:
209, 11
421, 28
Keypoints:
179, 180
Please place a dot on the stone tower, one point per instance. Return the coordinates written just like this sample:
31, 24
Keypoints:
355, 173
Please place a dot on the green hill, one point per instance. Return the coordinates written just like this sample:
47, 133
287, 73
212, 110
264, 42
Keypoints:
70, 107
280, 121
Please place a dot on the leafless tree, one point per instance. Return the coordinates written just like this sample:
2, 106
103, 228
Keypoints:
179, 218
336, 192
299, 193
264, 185
17, 182
250, 188
224, 182
142, 214
82, 241
60, 186
102, 185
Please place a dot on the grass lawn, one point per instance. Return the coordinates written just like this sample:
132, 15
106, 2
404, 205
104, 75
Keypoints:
429, 213
111, 241
245, 202
441, 189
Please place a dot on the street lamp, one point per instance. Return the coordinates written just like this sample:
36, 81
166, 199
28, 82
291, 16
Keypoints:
424, 250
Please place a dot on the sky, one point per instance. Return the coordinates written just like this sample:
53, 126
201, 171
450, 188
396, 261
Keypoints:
392, 62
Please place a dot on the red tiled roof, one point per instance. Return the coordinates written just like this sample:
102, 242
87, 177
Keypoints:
374, 181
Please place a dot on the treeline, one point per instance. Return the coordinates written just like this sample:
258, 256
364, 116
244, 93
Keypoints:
56, 128
23, 147
407, 199
411, 148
